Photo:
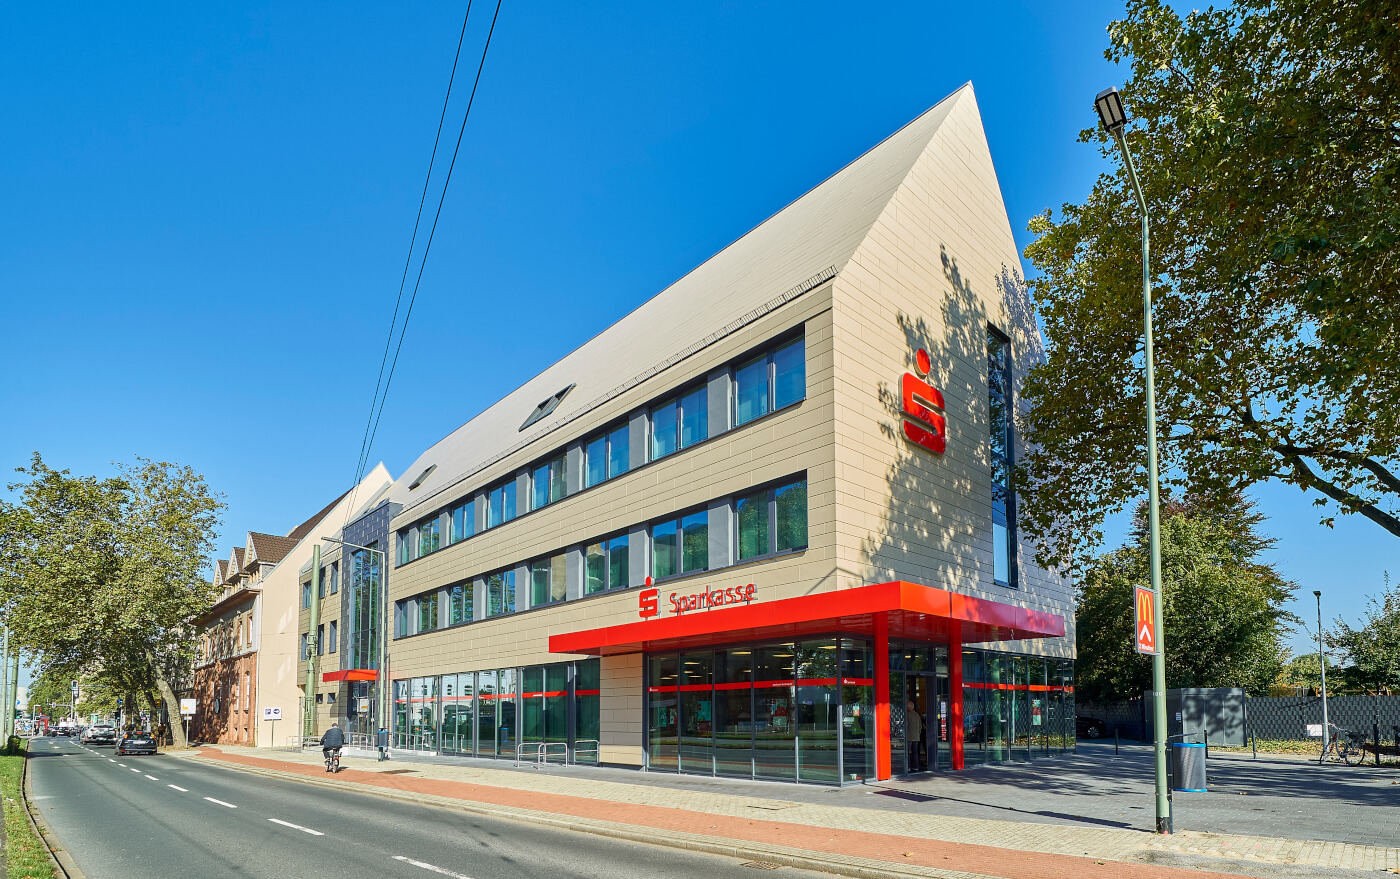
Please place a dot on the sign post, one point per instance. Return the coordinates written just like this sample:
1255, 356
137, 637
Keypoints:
1144, 621
272, 715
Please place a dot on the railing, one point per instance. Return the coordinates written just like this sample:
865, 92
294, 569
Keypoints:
298, 743
541, 752
360, 740
580, 748
422, 742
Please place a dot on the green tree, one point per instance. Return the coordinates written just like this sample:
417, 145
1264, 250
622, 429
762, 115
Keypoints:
1267, 139
1373, 649
1222, 608
101, 577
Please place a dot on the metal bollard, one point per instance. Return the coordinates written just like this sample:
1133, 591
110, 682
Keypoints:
1115, 741
1254, 744
1376, 737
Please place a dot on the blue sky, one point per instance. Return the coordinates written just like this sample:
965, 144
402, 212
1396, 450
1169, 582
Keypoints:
207, 209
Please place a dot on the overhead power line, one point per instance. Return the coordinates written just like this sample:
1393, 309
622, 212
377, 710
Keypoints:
384, 381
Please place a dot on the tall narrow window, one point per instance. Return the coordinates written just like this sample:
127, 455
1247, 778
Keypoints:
548, 581
333, 633
500, 506
500, 593
428, 537
463, 522
1001, 458
605, 565
695, 417
595, 461
619, 454
460, 603
428, 612
751, 390
663, 429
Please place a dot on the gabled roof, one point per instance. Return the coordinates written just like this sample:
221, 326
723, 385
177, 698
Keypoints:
235, 562
220, 571
268, 549
305, 528
791, 253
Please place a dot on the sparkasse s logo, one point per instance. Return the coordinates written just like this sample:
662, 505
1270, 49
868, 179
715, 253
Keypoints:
918, 398
648, 601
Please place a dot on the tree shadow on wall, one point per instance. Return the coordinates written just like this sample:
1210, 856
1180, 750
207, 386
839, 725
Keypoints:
927, 530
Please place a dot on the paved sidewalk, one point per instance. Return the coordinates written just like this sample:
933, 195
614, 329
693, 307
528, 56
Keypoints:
886, 837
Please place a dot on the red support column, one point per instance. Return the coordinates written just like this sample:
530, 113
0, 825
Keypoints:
955, 684
882, 697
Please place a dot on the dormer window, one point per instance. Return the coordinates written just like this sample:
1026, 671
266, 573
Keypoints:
546, 407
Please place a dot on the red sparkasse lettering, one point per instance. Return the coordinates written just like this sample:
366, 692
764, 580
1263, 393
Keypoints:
916, 398
647, 603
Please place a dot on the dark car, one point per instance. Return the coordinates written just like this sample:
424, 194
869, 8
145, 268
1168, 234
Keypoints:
1089, 728
136, 743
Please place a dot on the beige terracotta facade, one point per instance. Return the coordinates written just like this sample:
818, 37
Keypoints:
907, 248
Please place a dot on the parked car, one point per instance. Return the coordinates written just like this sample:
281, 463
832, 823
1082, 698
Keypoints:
136, 743
1089, 728
101, 734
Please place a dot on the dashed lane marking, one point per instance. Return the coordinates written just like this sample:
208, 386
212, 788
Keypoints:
296, 827
133, 769
430, 867
151, 777
110, 760
178, 788
221, 802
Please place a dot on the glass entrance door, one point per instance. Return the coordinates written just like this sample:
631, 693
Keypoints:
927, 738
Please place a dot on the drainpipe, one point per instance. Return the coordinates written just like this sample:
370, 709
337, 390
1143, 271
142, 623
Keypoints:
309, 720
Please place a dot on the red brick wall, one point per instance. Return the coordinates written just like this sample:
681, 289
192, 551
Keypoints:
225, 702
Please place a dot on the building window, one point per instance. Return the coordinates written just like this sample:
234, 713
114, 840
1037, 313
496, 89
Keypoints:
1001, 458
772, 520
681, 546
770, 381
548, 581
321, 584
364, 608
427, 612
333, 631
306, 594
247, 690
606, 455
321, 639
335, 578
500, 506
233, 703
428, 536
320, 697
679, 423
463, 521
605, 565
500, 593
460, 603
304, 647
549, 482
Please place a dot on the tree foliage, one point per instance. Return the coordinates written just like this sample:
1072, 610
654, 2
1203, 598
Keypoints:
100, 577
1373, 649
1222, 609
1267, 139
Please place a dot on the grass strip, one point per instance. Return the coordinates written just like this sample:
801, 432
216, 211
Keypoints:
26, 857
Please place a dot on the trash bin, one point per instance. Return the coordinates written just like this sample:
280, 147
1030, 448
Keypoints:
1188, 767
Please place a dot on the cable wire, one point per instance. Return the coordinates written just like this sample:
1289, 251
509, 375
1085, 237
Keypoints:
362, 461
432, 231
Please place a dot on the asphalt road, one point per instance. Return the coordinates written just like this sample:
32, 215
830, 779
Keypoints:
144, 817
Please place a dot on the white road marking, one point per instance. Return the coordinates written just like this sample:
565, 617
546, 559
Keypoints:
430, 867
296, 827
221, 802
119, 764
178, 788
110, 760
152, 777
134, 770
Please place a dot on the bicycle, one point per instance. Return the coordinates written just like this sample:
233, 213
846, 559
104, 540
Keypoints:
1351, 751
333, 761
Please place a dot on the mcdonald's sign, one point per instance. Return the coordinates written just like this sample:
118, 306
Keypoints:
1144, 620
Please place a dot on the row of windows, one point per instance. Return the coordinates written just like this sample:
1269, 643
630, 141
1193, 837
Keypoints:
762, 384
332, 629
768, 522
330, 583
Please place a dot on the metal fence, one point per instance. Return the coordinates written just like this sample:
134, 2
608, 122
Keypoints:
1276, 718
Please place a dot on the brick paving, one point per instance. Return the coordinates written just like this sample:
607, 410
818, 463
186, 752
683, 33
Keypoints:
1049, 821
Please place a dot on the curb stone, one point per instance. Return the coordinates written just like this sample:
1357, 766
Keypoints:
62, 861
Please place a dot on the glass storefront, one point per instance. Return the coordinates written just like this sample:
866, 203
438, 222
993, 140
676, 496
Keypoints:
793, 711
479, 714
1016, 707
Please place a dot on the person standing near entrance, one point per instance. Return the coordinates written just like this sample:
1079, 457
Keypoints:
914, 733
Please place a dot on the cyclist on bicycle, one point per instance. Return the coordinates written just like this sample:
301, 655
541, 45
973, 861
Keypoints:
331, 743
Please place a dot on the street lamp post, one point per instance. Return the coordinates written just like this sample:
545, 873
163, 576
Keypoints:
383, 688
1111, 114
1322, 667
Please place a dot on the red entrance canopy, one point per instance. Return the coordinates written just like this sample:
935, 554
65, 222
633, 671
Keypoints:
909, 609
351, 674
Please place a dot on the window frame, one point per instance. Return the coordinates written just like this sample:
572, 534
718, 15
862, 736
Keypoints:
677, 400
769, 495
611, 543
552, 565
677, 519
505, 574
332, 635
770, 359
1005, 507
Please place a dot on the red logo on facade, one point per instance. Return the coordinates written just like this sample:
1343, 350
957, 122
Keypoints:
918, 400
1143, 620
648, 602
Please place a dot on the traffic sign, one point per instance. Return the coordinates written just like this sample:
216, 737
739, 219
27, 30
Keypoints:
187, 707
272, 713
1144, 620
